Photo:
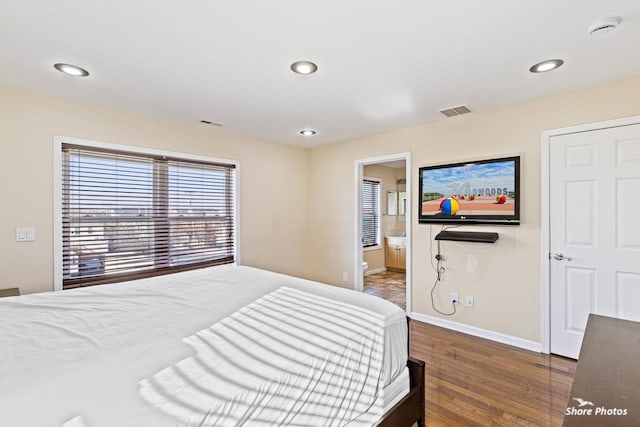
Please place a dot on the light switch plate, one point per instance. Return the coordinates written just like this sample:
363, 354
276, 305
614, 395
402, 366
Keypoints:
25, 234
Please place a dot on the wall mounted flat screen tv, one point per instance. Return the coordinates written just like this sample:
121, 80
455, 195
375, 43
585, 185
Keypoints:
478, 192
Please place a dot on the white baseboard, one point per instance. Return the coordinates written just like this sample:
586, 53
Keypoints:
377, 270
479, 332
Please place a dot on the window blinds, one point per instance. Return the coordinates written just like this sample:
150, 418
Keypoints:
128, 215
370, 213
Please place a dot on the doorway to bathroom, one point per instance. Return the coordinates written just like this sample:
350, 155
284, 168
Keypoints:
383, 228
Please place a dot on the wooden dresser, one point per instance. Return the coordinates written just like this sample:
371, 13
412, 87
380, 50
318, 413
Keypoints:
606, 386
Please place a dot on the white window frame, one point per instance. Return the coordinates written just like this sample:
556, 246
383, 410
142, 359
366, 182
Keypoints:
378, 245
57, 191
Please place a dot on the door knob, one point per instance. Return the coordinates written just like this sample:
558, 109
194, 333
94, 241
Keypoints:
559, 257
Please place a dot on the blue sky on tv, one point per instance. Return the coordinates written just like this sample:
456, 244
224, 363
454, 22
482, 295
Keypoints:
485, 175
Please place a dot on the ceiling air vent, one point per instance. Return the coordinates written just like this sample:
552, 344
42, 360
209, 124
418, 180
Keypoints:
455, 111
210, 123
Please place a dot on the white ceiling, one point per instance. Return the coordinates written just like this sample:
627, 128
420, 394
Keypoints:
382, 65
395, 164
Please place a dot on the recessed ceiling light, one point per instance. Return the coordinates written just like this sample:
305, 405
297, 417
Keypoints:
308, 132
544, 66
72, 70
304, 67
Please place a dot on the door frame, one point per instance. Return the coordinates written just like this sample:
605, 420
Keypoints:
358, 283
545, 216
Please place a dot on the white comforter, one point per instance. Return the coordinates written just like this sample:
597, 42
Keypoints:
289, 358
85, 357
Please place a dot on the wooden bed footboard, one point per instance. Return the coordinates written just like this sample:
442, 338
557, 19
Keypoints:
410, 409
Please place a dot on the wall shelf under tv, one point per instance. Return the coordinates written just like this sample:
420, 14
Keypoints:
467, 236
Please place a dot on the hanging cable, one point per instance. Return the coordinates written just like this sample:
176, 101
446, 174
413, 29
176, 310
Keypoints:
439, 269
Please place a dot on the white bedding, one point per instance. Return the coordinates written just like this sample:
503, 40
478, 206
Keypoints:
79, 356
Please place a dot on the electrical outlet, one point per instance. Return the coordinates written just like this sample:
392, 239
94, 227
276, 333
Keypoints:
455, 299
469, 302
345, 277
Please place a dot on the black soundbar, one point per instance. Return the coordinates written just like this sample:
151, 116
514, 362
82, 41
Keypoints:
467, 236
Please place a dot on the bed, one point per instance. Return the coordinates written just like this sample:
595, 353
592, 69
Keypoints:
226, 345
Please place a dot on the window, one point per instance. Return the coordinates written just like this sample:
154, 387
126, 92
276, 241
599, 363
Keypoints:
128, 215
370, 212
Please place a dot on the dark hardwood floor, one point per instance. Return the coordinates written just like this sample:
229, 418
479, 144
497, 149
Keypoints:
389, 285
475, 382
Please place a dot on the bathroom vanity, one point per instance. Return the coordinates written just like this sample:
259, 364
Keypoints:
395, 253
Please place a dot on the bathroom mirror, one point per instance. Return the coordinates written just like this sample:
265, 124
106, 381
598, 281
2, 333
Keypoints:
396, 203
392, 203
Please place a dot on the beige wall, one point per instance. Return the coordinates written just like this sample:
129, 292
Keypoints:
504, 277
297, 206
273, 179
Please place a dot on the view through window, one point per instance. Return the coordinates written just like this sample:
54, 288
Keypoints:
128, 215
370, 213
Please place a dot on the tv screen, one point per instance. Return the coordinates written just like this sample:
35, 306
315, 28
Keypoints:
479, 192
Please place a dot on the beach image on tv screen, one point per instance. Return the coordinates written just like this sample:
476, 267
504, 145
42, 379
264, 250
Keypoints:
479, 189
